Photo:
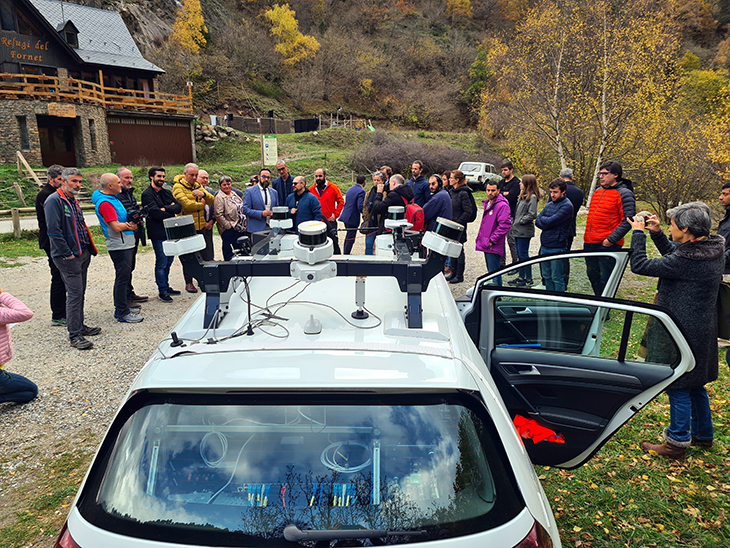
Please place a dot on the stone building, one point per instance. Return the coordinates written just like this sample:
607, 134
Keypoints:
75, 90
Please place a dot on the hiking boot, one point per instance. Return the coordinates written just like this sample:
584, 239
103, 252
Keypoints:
666, 450
129, 317
133, 297
190, 288
61, 322
90, 331
171, 291
705, 444
79, 342
164, 297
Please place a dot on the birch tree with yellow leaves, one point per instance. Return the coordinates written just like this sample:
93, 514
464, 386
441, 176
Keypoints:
573, 83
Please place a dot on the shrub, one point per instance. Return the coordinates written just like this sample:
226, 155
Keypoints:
400, 153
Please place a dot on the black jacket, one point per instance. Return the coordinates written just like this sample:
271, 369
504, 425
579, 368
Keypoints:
463, 207
394, 198
155, 201
43, 242
689, 278
723, 230
576, 197
512, 190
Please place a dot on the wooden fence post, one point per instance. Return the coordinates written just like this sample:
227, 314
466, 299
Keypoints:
19, 192
16, 222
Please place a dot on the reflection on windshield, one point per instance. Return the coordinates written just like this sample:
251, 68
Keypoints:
256, 469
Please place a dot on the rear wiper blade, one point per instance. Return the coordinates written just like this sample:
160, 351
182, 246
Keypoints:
292, 533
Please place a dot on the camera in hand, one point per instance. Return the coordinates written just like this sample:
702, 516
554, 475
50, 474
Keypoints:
137, 214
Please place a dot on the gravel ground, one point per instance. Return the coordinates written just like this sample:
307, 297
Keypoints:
80, 391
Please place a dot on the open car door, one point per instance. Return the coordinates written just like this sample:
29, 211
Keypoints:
578, 367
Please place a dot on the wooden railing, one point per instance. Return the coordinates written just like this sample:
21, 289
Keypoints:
70, 90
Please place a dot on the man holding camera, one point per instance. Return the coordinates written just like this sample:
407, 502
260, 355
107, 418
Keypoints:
126, 196
120, 242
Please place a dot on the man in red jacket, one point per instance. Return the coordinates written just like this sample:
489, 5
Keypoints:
331, 202
606, 225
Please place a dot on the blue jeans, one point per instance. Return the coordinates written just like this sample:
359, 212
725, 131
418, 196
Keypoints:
523, 253
599, 269
370, 241
162, 267
689, 415
16, 388
552, 271
492, 266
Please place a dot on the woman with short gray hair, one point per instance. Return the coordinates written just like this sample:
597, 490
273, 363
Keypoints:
689, 273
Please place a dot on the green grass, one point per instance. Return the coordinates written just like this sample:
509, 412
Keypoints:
41, 506
25, 246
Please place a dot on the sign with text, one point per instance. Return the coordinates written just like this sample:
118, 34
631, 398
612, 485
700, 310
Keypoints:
270, 151
62, 110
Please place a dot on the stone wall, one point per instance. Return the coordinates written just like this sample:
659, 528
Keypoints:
86, 155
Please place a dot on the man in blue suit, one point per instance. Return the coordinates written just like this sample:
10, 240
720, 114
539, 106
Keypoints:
259, 201
350, 216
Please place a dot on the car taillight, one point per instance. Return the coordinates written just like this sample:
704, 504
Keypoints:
537, 538
479, 178
65, 540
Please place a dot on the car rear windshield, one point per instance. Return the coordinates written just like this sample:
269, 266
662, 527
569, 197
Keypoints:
470, 167
233, 471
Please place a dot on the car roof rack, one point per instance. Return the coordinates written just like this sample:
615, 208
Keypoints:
311, 260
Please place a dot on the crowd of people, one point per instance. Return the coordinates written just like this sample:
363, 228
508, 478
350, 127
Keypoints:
690, 270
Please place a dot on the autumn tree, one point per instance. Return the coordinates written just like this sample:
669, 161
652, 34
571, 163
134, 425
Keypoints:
294, 46
189, 29
578, 93
459, 10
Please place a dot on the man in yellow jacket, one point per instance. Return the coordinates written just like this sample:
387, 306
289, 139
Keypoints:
193, 197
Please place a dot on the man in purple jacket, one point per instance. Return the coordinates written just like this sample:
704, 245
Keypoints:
496, 223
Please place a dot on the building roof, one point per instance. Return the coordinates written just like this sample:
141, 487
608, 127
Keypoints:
103, 37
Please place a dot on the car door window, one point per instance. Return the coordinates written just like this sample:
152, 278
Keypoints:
558, 326
575, 270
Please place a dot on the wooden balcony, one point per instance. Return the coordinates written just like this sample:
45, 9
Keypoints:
70, 90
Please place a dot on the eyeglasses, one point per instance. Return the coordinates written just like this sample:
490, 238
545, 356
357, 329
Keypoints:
281, 169
602, 173
264, 176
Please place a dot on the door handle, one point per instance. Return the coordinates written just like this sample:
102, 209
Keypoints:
526, 310
527, 369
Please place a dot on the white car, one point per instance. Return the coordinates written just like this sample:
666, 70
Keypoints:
311, 400
479, 173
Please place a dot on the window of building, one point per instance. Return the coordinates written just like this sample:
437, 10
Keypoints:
7, 15
23, 130
92, 134
26, 26
72, 38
